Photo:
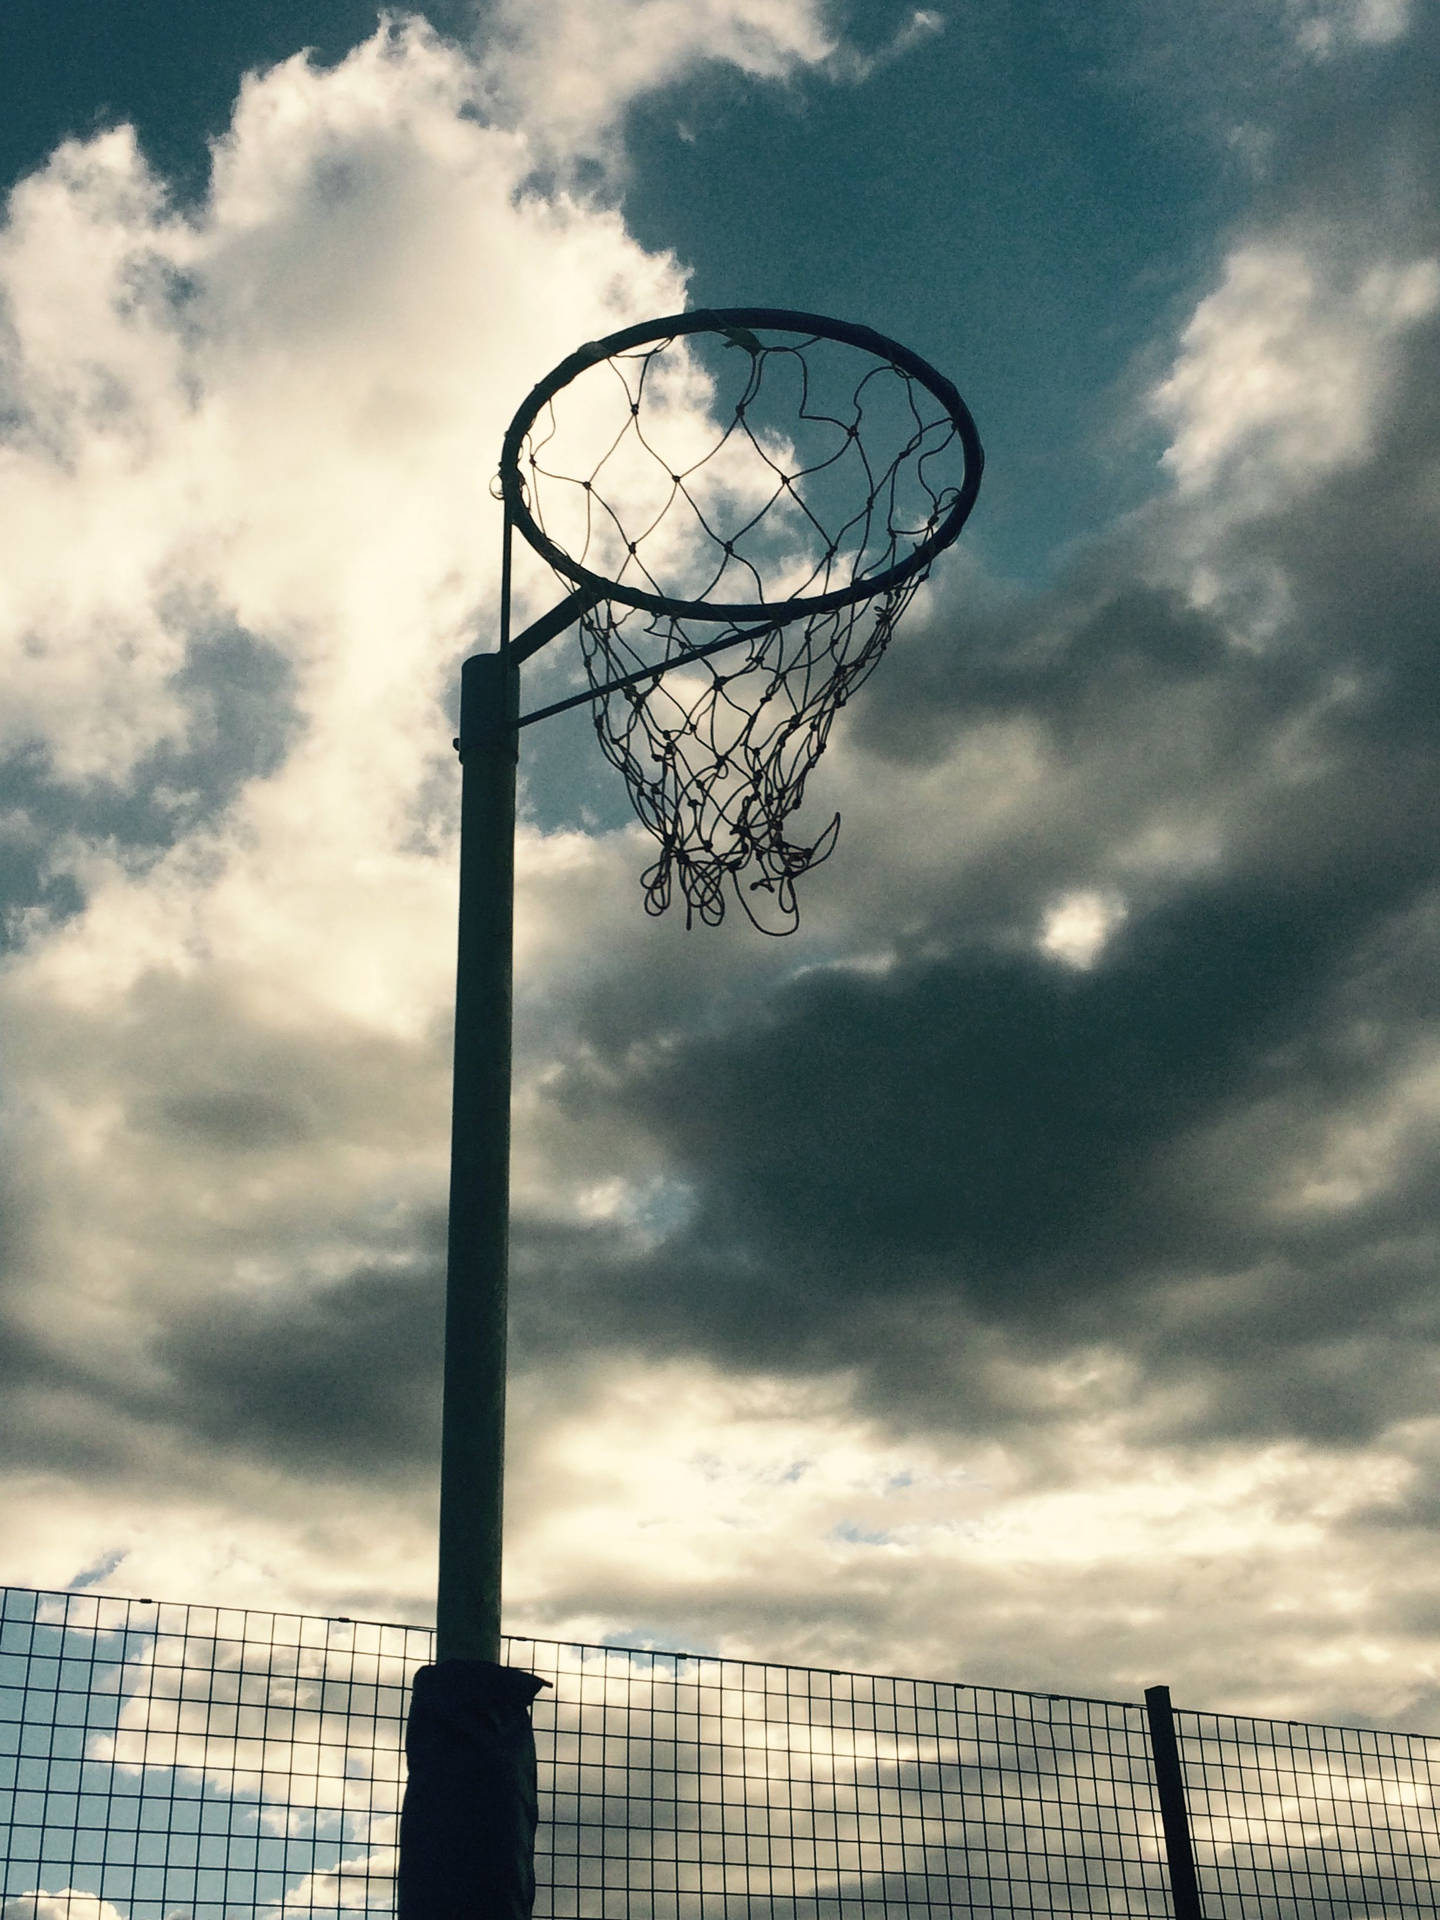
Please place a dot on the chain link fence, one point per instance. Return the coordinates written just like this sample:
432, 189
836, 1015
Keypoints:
171, 1762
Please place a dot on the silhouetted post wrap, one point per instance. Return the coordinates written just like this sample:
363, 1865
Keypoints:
1174, 1818
467, 1828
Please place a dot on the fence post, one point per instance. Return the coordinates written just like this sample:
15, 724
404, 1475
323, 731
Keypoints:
1174, 1819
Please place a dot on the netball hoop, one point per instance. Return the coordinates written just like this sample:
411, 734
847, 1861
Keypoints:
743, 504
740, 506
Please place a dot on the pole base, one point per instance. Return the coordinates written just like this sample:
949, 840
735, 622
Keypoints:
467, 1826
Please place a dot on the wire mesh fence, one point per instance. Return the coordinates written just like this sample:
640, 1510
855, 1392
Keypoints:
159, 1760
686, 1787
1289, 1820
171, 1762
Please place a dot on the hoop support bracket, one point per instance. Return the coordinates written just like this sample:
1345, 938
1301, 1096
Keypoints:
592, 694
551, 624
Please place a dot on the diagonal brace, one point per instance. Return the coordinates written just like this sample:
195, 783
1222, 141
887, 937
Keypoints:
546, 628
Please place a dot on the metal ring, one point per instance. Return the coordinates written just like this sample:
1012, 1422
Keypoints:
716, 320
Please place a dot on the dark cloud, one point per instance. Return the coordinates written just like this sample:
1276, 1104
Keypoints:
1358, 143
236, 692
268, 1286
230, 1120
887, 1164
1076, 659
995, 1125
883, 1164
262, 1296
343, 1375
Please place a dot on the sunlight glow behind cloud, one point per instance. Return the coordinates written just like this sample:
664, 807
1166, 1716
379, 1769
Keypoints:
1077, 926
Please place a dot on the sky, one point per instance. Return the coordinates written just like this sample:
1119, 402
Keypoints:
1024, 1273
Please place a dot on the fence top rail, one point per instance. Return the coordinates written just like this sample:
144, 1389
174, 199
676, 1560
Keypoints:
621, 1650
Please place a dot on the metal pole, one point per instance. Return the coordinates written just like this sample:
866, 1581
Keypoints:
467, 1825
472, 1445
1174, 1819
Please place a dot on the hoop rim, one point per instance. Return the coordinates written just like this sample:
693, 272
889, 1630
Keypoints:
716, 320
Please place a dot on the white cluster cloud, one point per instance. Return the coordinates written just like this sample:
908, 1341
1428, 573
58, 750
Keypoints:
275, 415
565, 71
283, 407
1284, 371
280, 414
1337, 26
68, 1904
